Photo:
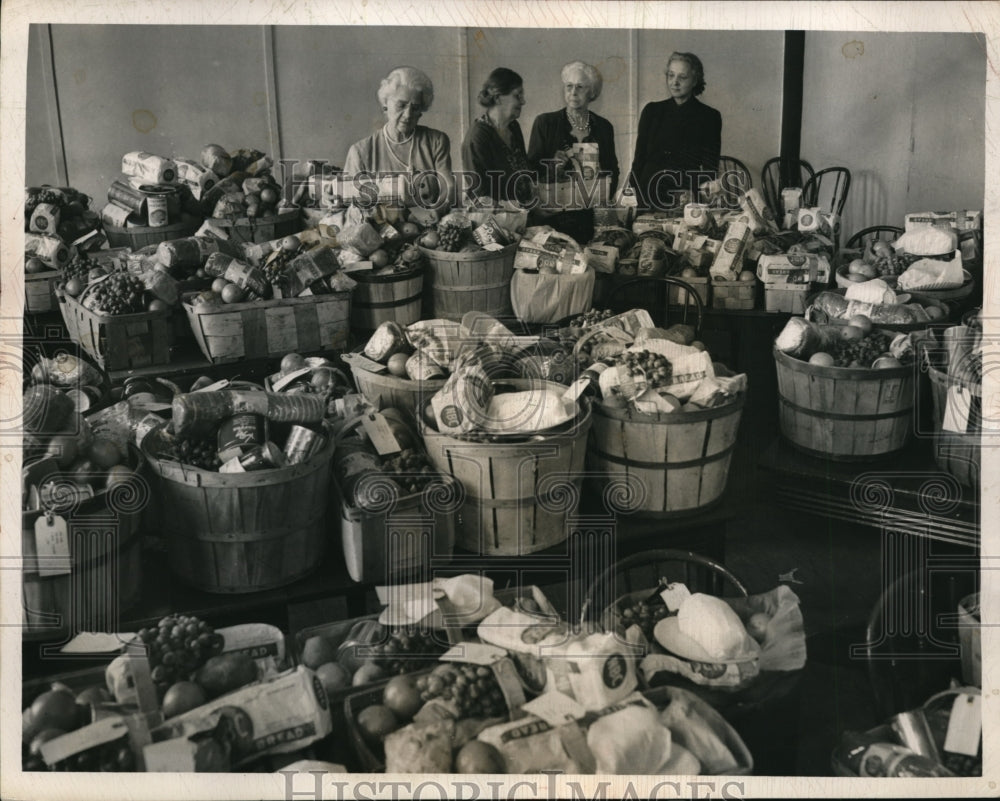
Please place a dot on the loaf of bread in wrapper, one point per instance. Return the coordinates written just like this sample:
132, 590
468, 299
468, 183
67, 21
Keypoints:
691, 731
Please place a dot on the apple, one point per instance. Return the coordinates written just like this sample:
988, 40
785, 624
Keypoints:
430, 239
746, 276
821, 359
863, 322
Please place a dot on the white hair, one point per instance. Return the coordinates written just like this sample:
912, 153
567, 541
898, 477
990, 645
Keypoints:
590, 74
411, 78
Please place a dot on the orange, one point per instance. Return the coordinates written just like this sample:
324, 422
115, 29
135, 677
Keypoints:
379, 258
232, 294
104, 453
157, 305
333, 676
375, 722
366, 674
219, 284
821, 359
852, 332
402, 697
292, 361
74, 286
290, 243
409, 230
181, 697
397, 364
34, 265
479, 757
430, 239
863, 322
318, 650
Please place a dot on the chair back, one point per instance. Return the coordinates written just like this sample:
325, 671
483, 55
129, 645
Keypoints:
644, 570
862, 240
653, 295
771, 181
828, 189
911, 645
734, 178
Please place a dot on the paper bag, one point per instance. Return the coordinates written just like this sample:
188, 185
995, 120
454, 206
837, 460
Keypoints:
546, 298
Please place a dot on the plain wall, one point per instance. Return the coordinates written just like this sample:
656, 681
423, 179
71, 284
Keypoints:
904, 112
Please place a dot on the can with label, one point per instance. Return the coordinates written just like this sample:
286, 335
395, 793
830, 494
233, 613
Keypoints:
302, 444
115, 215
240, 433
127, 196
260, 457
45, 218
156, 211
150, 168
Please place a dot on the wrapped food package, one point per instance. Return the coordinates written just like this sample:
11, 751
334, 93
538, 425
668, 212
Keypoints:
631, 741
799, 338
420, 748
713, 624
933, 274
388, 339
931, 240
691, 731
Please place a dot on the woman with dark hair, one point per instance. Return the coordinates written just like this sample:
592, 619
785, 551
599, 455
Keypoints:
554, 134
679, 139
494, 146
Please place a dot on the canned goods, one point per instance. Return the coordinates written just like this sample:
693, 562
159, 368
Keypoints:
302, 443
115, 215
260, 457
156, 211
628, 266
239, 433
127, 196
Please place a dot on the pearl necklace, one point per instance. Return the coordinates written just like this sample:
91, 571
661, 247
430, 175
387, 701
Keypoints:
577, 123
406, 165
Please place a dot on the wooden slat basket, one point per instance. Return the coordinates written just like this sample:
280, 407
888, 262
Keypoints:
138, 237
469, 281
106, 561
663, 464
266, 328
386, 391
844, 413
261, 229
40, 291
242, 532
394, 297
518, 494
120, 341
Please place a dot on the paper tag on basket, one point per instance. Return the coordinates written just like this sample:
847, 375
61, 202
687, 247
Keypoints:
103, 731
956, 410
674, 595
965, 726
575, 390
380, 433
555, 708
364, 363
52, 546
98, 642
474, 653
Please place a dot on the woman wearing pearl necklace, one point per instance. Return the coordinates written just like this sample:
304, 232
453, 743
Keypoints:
403, 146
493, 149
553, 135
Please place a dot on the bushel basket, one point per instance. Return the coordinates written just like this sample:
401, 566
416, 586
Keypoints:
480, 280
260, 229
242, 532
396, 297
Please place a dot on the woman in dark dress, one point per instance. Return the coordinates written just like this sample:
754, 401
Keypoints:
679, 139
493, 149
553, 136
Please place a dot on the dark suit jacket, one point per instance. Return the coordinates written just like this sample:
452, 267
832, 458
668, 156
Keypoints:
682, 139
552, 131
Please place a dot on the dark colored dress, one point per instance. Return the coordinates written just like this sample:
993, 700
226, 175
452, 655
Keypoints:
486, 155
677, 147
552, 131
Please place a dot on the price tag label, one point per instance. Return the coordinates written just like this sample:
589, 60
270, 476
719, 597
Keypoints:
555, 708
674, 595
380, 433
52, 546
956, 410
170, 756
965, 726
103, 731
363, 362
474, 653
575, 390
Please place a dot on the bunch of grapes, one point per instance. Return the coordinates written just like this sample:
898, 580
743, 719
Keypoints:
889, 264
591, 318
860, 352
472, 688
407, 650
656, 367
202, 453
410, 469
642, 614
120, 293
451, 237
177, 646
80, 266
44, 195
276, 264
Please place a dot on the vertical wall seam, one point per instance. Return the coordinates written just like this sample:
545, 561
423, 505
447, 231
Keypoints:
270, 88
633, 99
52, 104
463, 87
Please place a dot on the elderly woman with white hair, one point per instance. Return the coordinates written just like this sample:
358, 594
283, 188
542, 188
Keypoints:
403, 146
554, 134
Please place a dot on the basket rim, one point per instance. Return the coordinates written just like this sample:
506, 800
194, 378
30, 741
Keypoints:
112, 318
858, 373
673, 418
226, 222
187, 221
397, 382
366, 277
258, 304
473, 256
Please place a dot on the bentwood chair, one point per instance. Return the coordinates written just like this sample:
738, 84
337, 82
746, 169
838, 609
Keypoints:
771, 182
863, 239
911, 646
734, 179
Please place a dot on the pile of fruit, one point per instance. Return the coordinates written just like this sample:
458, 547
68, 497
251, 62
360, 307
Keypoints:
642, 613
652, 369
177, 647
859, 345
246, 189
591, 318
472, 688
410, 469
200, 452
119, 293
